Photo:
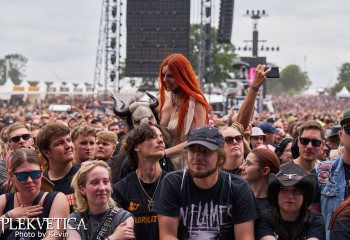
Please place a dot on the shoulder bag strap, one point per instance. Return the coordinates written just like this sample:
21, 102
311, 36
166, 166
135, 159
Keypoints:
103, 230
183, 179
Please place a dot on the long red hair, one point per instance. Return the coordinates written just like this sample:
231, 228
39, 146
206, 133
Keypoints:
185, 77
344, 207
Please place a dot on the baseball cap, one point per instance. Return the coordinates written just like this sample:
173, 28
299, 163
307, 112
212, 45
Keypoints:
256, 131
209, 137
334, 131
346, 117
268, 128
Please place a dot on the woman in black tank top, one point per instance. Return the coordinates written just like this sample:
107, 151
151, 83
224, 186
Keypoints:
29, 202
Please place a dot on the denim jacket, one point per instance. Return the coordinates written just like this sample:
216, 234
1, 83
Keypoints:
331, 181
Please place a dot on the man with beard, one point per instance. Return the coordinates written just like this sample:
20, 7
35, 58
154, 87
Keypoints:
204, 202
83, 138
56, 147
310, 143
138, 190
233, 149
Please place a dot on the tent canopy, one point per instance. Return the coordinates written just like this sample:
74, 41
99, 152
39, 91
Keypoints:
344, 92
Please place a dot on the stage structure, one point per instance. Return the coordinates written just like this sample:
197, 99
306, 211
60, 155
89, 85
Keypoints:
155, 29
205, 45
225, 21
108, 57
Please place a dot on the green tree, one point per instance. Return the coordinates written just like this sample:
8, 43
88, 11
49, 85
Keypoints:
14, 66
147, 84
223, 56
293, 80
343, 78
344, 73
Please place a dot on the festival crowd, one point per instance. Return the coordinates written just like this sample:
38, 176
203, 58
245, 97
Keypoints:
171, 169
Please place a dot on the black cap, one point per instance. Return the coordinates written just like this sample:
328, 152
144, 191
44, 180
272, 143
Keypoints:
209, 137
334, 131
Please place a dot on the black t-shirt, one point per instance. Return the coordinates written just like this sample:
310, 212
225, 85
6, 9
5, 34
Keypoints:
64, 185
129, 194
206, 213
341, 227
316, 228
263, 204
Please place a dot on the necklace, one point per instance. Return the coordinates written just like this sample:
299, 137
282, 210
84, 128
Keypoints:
19, 203
150, 199
173, 102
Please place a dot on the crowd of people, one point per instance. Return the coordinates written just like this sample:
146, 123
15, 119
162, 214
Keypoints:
171, 169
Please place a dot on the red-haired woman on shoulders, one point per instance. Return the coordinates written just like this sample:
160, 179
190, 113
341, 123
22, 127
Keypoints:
182, 104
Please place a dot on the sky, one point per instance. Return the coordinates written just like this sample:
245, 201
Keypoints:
59, 37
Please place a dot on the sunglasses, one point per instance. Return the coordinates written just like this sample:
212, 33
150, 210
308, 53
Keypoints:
23, 176
314, 142
16, 139
229, 140
347, 129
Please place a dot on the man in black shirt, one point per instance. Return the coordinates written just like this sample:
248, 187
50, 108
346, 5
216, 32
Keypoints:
310, 143
136, 193
204, 202
56, 146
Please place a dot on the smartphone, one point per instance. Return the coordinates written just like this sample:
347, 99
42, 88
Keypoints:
274, 73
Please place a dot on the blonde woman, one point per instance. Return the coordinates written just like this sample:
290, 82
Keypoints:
96, 215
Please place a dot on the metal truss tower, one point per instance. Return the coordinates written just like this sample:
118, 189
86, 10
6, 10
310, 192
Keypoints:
204, 61
108, 57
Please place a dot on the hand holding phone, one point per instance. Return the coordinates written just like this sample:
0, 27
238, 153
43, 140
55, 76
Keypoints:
274, 73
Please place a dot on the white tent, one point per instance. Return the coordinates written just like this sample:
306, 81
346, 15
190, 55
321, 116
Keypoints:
54, 88
344, 93
79, 88
6, 90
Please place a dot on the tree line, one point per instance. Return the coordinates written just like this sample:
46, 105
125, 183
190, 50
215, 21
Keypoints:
293, 79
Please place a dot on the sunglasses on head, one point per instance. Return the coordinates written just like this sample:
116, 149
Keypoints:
16, 139
22, 176
229, 140
314, 142
347, 129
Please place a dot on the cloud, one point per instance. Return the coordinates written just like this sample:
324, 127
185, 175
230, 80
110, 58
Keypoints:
61, 36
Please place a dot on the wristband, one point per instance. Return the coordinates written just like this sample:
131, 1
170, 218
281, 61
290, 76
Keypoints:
255, 88
164, 154
7, 214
